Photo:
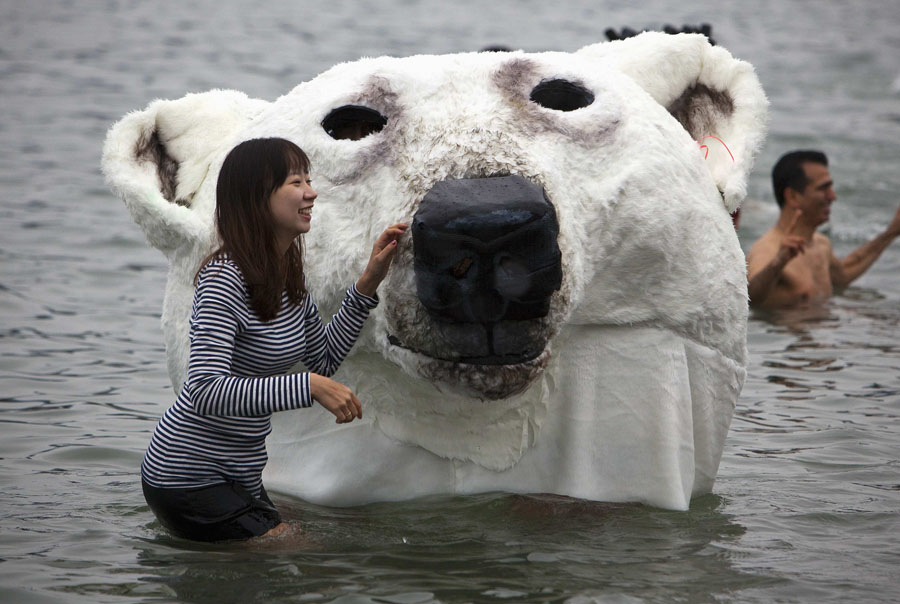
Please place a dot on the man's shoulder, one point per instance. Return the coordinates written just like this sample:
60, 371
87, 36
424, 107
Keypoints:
820, 239
769, 240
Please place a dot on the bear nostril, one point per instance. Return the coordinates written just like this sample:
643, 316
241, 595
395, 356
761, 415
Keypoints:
512, 279
462, 267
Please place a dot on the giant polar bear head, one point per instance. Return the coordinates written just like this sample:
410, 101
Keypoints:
568, 313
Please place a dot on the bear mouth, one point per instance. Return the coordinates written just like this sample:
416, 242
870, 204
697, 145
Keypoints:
488, 344
490, 377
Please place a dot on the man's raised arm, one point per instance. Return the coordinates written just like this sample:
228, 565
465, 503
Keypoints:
845, 270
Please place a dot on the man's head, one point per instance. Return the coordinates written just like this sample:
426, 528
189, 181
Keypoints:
802, 182
789, 172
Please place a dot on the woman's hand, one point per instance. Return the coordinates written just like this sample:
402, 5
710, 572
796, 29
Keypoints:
380, 261
335, 397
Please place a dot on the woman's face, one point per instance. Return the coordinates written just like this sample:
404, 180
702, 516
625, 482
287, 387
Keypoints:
291, 207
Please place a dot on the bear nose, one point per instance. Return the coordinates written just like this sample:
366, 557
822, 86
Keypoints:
486, 250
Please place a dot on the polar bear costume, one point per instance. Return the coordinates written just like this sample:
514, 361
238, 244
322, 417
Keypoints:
637, 361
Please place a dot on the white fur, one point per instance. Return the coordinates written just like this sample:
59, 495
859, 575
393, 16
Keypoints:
646, 335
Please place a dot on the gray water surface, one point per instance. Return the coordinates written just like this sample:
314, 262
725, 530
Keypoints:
805, 508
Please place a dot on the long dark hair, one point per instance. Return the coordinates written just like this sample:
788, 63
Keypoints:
252, 171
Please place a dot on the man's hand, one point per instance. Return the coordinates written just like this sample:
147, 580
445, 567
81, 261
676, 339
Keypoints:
762, 279
791, 244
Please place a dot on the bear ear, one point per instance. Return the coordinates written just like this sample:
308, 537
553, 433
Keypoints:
157, 159
718, 99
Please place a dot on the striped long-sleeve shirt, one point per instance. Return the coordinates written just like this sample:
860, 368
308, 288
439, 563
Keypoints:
216, 430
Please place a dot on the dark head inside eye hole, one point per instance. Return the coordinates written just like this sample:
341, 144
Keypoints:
353, 122
561, 95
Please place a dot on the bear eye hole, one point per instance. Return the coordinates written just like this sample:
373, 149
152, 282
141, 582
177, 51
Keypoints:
353, 122
561, 95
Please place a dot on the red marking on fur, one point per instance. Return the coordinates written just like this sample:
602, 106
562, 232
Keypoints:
707, 148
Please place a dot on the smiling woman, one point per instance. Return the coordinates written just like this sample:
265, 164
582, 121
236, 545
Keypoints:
257, 219
252, 321
291, 207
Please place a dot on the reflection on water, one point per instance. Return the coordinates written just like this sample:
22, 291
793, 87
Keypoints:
525, 549
814, 440
823, 338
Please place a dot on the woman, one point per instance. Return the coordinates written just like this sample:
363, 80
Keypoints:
252, 320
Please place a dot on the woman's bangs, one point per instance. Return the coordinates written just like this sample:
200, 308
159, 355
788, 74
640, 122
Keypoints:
295, 159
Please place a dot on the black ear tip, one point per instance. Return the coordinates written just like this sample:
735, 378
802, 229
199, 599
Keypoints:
627, 32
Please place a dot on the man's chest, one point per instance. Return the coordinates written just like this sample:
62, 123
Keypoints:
809, 273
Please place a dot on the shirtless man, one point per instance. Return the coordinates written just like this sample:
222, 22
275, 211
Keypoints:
792, 263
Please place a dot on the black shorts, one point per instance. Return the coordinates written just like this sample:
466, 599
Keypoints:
218, 512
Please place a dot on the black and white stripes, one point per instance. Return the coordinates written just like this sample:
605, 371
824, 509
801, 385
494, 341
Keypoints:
216, 430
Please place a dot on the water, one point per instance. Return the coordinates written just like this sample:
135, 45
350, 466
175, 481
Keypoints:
806, 503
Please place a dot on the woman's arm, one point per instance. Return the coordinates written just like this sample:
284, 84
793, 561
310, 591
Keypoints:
326, 347
219, 315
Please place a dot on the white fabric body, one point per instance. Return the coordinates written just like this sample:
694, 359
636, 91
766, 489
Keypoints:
646, 336
657, 441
